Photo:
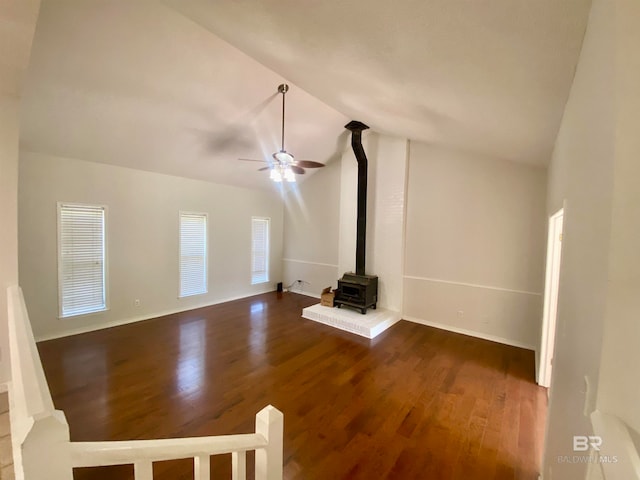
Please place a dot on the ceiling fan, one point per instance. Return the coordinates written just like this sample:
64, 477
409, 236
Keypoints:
284, 165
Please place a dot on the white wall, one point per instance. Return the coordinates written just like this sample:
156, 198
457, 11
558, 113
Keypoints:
475, 240
8, 218
619, 390
348, 208
386, 218
17, 24
475, 236
311, 226
581, 173
142, 238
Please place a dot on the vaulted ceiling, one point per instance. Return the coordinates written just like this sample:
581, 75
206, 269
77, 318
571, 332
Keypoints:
186, 87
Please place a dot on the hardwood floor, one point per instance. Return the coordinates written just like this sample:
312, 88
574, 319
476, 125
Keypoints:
414, 403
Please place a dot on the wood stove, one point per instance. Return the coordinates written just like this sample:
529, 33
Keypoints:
359, 290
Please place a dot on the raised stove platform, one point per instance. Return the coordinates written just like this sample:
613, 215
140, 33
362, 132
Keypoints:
370, 325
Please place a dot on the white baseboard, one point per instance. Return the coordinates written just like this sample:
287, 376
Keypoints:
125, 321
308, 294
471, 333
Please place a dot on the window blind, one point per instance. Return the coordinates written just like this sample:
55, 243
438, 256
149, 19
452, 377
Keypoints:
259, 250
81, 259
193, 254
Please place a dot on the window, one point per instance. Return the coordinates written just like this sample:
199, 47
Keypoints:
193, 254
259, 250
81, 259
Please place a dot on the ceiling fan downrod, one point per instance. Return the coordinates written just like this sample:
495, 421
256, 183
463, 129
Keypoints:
283, 88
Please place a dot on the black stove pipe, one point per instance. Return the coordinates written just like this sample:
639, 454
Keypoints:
356, 129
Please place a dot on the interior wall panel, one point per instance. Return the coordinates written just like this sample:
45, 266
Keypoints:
475, 242
142, 239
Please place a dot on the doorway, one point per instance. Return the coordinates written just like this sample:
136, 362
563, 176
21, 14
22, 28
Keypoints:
552, 279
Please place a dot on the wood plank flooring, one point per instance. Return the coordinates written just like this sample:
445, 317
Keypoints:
414, 403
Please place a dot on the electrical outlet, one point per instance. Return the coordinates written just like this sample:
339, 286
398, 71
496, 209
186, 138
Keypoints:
136, 302
460, 313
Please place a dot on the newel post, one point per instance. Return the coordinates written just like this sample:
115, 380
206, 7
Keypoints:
270, 424
45, 451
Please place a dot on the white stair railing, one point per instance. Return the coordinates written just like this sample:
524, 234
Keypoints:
267, 442
40, 434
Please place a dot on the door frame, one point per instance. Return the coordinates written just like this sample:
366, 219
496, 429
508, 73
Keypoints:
551, 287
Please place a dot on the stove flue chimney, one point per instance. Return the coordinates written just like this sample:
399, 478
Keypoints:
356, 129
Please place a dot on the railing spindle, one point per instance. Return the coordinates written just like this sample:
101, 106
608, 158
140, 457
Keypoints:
201, 467
239, 465
143, 470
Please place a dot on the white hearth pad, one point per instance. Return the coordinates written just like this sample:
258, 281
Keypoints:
373, 323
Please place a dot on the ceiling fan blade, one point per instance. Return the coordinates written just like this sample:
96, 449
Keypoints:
252, 160
297, 170
264, 168
309, 164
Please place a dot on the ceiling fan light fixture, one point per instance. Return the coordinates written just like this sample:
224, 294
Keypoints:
288, 175
275, 175
284, 157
